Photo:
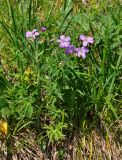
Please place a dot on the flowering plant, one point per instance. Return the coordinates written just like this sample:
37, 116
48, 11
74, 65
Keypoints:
64, 42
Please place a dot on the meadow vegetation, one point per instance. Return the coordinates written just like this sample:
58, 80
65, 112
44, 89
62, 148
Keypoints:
60, 79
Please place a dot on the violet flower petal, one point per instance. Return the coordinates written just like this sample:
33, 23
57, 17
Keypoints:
70, 49
67, 39
67, 51
83, 55
43, 29
77, 49
36, 33
81, 52
64, 44
85, 43
62, 37
28, 34
82, 37
84, 49
90, 40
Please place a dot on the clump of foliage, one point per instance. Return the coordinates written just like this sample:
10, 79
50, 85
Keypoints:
57, 92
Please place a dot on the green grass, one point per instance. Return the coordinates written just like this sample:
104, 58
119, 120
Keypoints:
53, 95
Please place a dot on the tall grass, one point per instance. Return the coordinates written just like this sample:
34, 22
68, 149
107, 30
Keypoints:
48, 92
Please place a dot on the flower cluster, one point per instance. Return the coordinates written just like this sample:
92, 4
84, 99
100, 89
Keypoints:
64, 42
34, 33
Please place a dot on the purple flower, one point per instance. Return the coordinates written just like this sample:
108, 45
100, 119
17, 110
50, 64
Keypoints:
35, 33
43, 29
86, 40
28, 34
64, 41
32, 34
70, 49
81, 52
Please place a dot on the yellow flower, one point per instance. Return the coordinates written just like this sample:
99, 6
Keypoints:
28, 71
3, 127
